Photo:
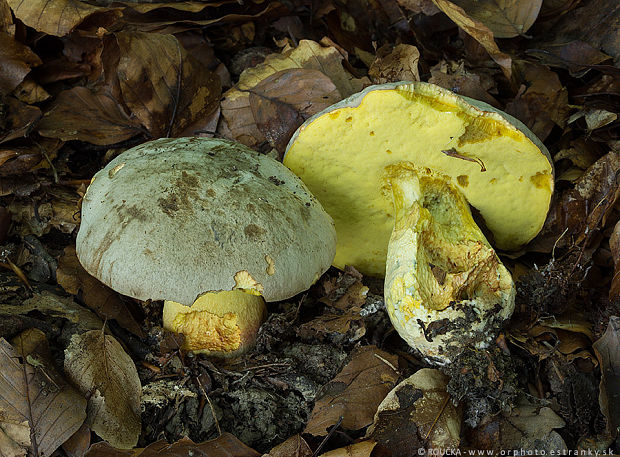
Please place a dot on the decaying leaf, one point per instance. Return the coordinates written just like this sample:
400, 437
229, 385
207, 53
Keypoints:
398, 64
238, 122
295, 446
16, 118
16, 60
97, 364
607, 350
505, 18
614, 245
38, 409
80, 114
166, 88
542, 102
361, 449
528, 426
225, 445
283, 101
477, 30
355, 392
455, 77
55, 17
416, 414
99, 297
78, 443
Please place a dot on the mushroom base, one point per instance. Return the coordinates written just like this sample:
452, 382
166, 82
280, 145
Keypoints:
221, 324
445, 287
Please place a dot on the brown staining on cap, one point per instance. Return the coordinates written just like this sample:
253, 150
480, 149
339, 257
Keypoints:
271, 265
253, 231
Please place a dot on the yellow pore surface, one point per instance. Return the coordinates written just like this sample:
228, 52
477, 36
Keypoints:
219, 323
342, 156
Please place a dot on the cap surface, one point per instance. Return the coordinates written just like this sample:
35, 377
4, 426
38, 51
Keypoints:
341, 154
174, 218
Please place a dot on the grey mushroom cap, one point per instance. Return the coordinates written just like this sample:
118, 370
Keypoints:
172, 219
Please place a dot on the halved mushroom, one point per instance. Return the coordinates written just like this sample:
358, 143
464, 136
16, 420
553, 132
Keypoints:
397, 166
184, 219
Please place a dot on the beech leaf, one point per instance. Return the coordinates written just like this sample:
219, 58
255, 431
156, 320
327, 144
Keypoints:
97, 364
505, 18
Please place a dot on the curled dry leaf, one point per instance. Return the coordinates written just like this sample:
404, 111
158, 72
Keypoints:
398, 64
477, 30
54, 17
361, 449
100, 298
455, 77
607, 349
295, 446
16, 59
226, 445
97, 364
355, 392
16, 118
283, 101
238, 121
164, 87
505, 18
416, 414
614, 245
38, 409
80, 114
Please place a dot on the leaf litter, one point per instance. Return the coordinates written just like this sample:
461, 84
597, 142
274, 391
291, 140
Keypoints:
85, 80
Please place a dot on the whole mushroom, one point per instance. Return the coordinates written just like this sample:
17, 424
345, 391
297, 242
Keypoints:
397, 166
209, 226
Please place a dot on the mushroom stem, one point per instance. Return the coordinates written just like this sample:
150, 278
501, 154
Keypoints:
445, 287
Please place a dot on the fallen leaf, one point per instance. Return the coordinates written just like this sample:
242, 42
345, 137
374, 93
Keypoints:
614, 245
6, 19
477, 30
426, 7
97, 364
455, 77
30, 92
505, 18
16, 160
16, 118
164, 86
361, 449
283, 101
54, 17
416, 414
38, 409
80, 114
393, 65
607, 349
542, 102
100, 298
78, 443
295, 446
576, 56
355, 392
226, 445
52, 305
16, 60
238, 122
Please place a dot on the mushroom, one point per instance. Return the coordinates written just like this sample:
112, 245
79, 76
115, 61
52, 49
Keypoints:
209, 226
397, 166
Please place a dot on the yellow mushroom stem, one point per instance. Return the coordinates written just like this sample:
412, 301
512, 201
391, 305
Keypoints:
445, 287
222, 324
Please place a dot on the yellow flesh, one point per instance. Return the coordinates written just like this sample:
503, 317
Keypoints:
218, 323
342, 155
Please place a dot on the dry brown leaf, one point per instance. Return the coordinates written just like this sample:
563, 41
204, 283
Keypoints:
16, 60
542, 101
477, 30
226, 445
6, 19
416, 414
607, 349
38, 409
614, 245
16, 118
30, 92
238, 122
295, 446
576, 56
455, 77
80, 114
283, 101
54, 17
52, 305
505, 18
97, 364
78, 443
164, 86
393, 65
355, 392
426, 7
15, 160
361, 449
100, 298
